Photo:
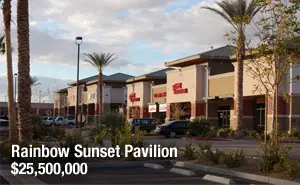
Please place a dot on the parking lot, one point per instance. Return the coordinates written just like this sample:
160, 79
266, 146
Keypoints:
134, 175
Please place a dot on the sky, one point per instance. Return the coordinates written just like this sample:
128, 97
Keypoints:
143, 34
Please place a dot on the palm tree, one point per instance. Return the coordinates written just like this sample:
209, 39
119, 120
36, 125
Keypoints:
2, 45
34, 81
238, 13
100, 61
6, 48
24, 102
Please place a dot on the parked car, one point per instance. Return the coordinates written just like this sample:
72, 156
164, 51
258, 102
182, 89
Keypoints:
147, 124
4, 117
64, 121
44, 119
173, 128
4, 125
49, 121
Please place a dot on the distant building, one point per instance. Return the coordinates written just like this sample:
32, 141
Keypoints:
41, 109
114, 96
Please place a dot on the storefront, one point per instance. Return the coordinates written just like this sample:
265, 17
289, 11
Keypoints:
185, 90
158, 107
147, 95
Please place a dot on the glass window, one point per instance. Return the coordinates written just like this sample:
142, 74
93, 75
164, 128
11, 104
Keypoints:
177, 125
137, 122
145, 121
154, 121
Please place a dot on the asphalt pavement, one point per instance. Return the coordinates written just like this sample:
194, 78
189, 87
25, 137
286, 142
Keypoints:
250, 147
134, 175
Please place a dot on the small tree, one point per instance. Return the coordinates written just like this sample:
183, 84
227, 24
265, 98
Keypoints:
177, 111
275, 53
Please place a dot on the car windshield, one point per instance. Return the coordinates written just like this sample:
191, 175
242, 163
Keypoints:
168, 123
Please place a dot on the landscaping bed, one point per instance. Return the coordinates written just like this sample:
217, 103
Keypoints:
273, 160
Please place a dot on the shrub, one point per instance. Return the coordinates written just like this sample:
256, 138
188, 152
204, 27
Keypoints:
199, 127
235, 158
189, 152
125, 136
113, 121
288, 168
202, 152
232, 133
215, 156
222, 133
211, 133
97, 135
272, 154
294, 133
39, 131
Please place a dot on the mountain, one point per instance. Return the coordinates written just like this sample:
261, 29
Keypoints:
47, 86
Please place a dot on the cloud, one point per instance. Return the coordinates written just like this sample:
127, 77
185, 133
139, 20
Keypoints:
112, 25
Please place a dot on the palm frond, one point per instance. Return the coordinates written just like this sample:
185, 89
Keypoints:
232, 10
226, 17
100, 60
2, 44
34, 81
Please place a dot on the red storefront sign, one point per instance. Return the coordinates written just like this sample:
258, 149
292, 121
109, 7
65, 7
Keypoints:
162, 94
133, 98
177, 89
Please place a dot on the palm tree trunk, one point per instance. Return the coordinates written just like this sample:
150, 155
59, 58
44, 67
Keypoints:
99, 90
100, 94
13, 136
24, 91
240, 77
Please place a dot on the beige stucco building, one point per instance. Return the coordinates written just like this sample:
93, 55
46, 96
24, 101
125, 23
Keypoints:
114, 96
147, 95
208, 87
205, 84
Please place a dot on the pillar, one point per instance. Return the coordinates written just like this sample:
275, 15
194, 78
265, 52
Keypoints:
96, 109
197, 109
168, 112
144, 112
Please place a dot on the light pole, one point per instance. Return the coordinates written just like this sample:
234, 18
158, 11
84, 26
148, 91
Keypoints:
78, 41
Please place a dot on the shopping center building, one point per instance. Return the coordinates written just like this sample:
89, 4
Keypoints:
114, 96
205, 84
147, 95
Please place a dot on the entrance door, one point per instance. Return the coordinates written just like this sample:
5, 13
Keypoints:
259, 124
224, 116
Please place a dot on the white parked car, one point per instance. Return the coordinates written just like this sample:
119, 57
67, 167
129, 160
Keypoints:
49, 121
64, 121
3, 125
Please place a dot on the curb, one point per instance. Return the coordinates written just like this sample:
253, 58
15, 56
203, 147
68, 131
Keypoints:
154, 166
126, 163
233, 173
19, 179
182, 172
205, 139
217, 179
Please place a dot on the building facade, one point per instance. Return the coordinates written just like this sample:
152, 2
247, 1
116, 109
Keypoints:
42, 109
205, 84
146, 94
114, 96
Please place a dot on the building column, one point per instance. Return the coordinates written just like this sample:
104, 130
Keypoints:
168, 112
144, 112
197, 109
96, 109
206, 89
